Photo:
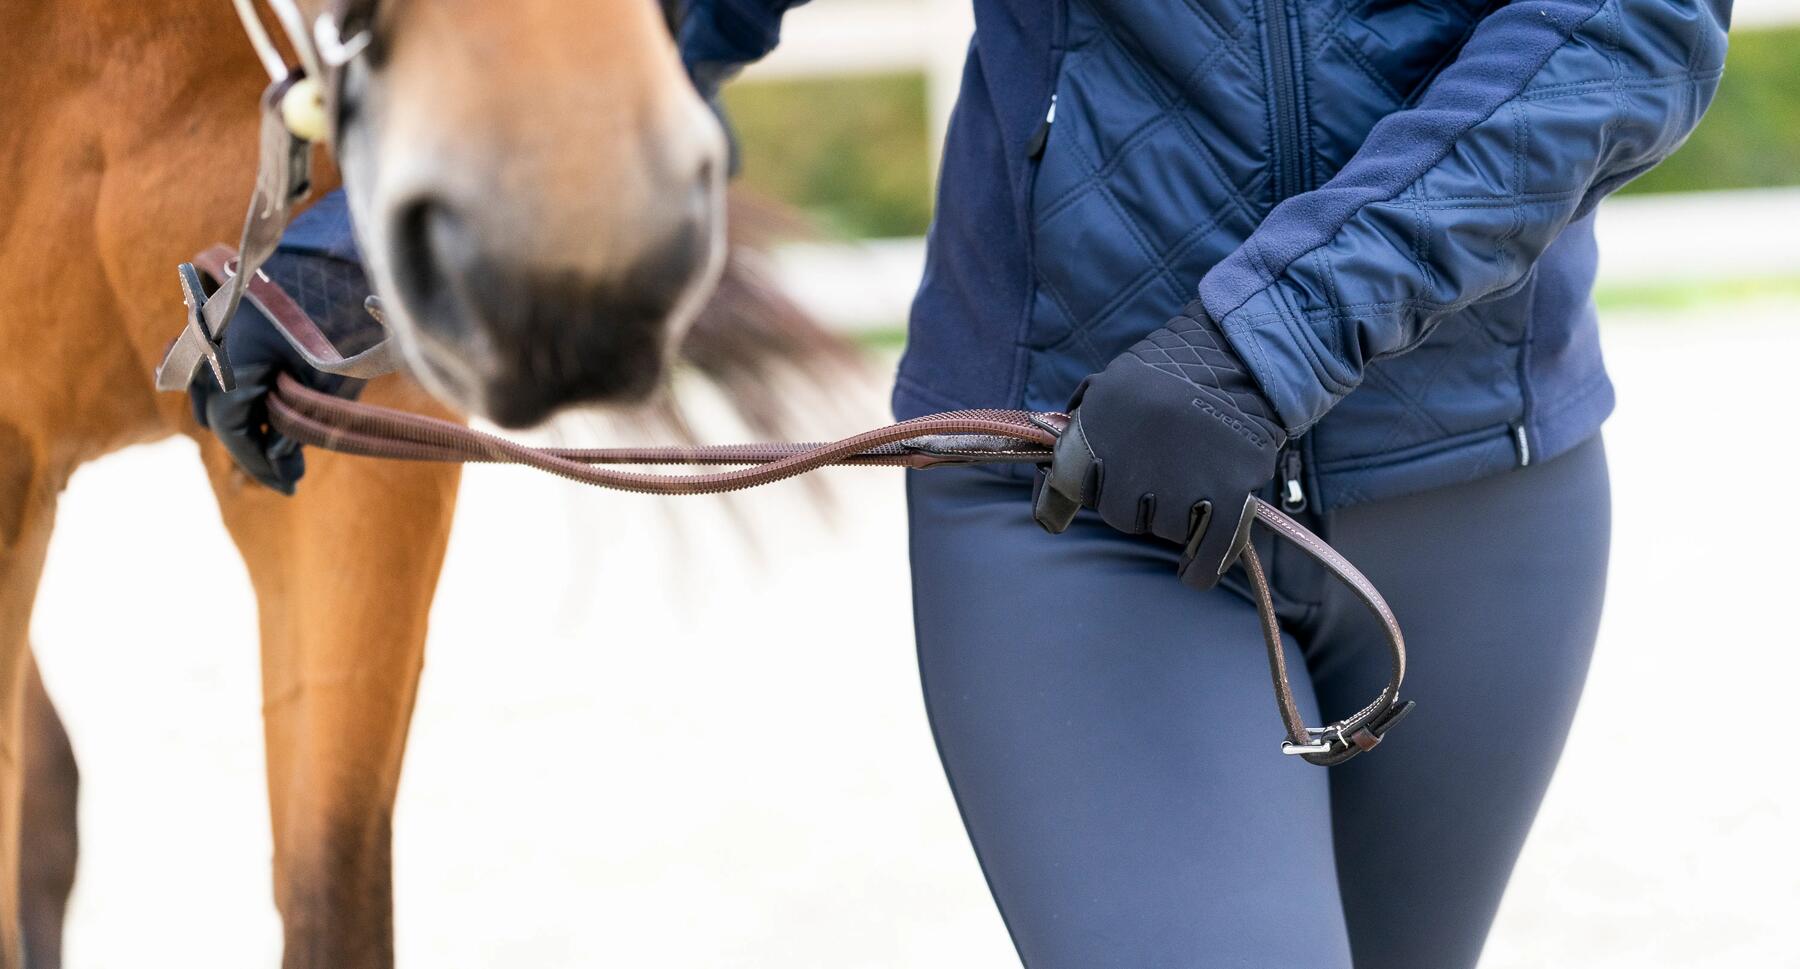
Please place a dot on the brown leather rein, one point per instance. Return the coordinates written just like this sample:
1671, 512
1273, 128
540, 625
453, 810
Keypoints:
300, 108
955, 438
938, 440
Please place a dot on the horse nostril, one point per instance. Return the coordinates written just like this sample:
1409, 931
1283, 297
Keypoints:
431, 250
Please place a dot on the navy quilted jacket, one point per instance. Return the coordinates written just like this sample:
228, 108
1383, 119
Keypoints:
1387, 205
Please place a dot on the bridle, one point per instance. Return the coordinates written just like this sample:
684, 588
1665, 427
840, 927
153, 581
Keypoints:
303, 105
325, 47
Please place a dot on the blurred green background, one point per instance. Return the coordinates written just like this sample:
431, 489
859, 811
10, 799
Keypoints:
854, 153
1750, 137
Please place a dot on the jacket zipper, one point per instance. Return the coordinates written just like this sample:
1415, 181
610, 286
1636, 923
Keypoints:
1041, 137
1293, 476
1289, 172
1288, 166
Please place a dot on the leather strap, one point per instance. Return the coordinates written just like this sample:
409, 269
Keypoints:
282, 179
1362, 730
954, 438
293, 323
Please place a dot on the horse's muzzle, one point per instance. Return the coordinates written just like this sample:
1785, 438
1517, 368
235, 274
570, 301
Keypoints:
539, 333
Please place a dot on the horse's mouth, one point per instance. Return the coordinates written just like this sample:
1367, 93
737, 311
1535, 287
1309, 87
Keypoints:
537, 380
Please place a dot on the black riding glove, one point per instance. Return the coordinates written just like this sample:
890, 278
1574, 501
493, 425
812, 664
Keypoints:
332, 291
1172, 438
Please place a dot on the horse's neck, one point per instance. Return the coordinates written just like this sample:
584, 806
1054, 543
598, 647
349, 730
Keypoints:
111, 75
85, 37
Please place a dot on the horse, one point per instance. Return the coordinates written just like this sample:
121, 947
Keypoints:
539, 193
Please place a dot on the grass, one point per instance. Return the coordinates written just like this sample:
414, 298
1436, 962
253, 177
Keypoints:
1750, 137
1692, 294
854, 154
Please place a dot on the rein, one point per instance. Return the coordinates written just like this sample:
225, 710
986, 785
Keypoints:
301, 107
938, 440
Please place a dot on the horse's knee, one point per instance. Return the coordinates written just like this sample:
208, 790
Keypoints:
48, 838
19, 478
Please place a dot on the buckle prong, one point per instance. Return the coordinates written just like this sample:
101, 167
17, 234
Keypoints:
1321, 742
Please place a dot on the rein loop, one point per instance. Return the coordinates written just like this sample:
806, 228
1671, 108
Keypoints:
955, 438
301, 107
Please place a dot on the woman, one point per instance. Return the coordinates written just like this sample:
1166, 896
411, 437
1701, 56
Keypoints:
1387, 210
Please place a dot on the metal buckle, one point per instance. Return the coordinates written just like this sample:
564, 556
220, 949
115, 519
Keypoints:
334, 50
1319, 742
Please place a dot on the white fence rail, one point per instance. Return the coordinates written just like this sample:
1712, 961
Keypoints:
1675, 238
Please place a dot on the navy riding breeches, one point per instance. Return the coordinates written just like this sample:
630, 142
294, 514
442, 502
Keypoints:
1112, 742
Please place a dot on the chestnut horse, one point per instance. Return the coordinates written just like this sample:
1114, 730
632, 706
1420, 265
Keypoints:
539, 194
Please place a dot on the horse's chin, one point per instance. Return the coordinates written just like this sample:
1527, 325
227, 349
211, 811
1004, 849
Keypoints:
532, 390
570, 359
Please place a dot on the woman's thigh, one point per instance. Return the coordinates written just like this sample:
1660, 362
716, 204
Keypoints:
1498, 585
1112, 744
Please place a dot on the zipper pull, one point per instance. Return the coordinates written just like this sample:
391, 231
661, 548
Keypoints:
1035, 147
1293, 496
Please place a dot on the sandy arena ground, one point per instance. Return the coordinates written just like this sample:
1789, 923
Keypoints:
631, 779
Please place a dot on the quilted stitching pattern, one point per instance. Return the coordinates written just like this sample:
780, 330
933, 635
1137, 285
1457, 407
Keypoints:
332, 292
1158, 167
1156, 171
1195, 351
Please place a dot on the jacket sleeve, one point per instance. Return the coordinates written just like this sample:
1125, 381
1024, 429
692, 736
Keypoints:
718, 37
1550, 105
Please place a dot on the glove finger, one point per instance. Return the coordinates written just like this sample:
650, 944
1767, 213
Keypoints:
200, 395
1216, 543
1071, 481
289, 469
253, 460
1051, 508
234, 419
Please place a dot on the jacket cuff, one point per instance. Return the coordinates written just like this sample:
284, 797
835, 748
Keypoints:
1291, 359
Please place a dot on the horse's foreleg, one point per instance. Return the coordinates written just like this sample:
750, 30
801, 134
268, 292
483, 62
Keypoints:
27, 511
48, 841
344, 575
